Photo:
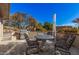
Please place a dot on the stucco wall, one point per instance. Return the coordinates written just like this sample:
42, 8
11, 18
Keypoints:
1, 31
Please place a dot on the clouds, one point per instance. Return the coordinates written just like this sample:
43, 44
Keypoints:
69, 24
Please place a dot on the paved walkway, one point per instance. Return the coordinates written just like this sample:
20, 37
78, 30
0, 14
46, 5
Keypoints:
11, 41
12, 47
7, 52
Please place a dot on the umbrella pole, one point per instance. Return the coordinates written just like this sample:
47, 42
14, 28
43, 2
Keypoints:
54, 26
54, 31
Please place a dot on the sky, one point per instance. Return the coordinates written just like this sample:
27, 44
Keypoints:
43, 12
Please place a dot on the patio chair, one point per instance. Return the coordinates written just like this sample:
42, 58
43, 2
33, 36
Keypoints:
31, 44
63, 45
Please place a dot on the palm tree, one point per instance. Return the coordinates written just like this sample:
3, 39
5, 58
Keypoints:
76, 21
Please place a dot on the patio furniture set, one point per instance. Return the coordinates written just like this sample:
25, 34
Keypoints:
61, 46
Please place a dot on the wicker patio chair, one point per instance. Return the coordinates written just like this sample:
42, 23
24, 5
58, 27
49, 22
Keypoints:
31, 45
63, 45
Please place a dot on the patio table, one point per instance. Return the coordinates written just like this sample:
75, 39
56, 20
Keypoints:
43, 39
